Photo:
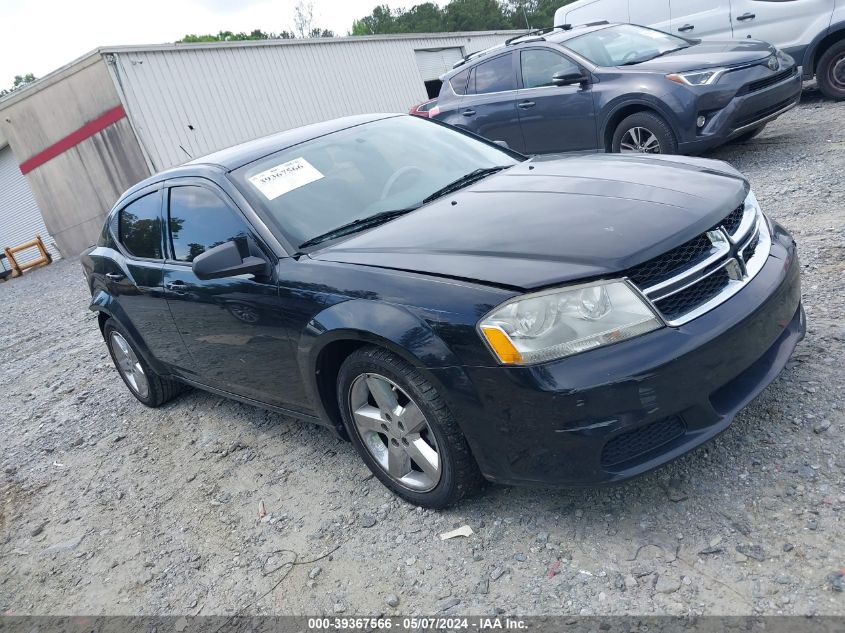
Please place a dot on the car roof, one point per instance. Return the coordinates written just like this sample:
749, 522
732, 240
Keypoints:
558, 35
237, 156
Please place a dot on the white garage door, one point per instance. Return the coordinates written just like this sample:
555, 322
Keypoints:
433, 63
20, 217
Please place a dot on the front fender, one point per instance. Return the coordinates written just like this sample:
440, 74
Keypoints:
811, 55
387, 325
646, 101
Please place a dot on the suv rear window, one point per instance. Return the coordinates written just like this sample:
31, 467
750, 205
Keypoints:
459, 82
495, 76
139, 227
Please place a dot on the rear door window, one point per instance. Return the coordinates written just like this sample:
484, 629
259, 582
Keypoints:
139, 227
495, 76
199, 219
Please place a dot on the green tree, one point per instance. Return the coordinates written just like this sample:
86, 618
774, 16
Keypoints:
19, 82
474, 15
459, 15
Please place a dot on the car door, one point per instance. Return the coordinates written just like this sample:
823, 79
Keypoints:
788, 24
709, 19
231, 326
554, 118
135, 276
654, 13
489, 109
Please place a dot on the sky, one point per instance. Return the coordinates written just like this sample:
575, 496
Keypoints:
39, 36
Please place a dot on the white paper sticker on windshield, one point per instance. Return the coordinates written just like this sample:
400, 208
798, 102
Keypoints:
284, 178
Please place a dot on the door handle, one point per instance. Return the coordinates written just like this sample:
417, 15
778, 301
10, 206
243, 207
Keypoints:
115, 276
177, 287
526, 104
686, 27
746, 16
468, 112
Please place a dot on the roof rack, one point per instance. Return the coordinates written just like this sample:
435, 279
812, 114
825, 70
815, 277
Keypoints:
535, 35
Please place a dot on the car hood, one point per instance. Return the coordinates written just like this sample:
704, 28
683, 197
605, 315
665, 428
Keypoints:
709, 54
545, 222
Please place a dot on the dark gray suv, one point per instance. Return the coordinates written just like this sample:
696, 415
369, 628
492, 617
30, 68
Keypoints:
618, 88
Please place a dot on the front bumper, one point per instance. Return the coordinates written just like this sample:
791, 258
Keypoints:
617, 412
743, 112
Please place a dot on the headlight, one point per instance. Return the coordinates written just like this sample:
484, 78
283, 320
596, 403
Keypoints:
554, 324
697, 77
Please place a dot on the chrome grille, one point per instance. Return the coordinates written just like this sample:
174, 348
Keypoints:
734, 219
695, 277
678, 304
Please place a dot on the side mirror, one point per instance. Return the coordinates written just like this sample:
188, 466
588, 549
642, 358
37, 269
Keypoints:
568, 79
225, 260
502, 144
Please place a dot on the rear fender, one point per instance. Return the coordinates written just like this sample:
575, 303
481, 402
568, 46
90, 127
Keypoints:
103, 303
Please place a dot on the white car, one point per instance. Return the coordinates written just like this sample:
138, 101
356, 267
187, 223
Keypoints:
811, 31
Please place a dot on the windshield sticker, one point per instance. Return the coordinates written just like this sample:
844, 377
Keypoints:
284, 178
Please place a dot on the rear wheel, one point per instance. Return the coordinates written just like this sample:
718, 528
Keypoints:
830, 73
403, 430
742, 138
644, 133
145, 384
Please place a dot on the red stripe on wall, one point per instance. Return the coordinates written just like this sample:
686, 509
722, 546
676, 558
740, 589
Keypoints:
74, 138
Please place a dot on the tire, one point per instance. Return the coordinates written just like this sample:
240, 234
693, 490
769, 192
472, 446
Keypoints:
830, 72
666, 143
372, 370
158, 389
743, 138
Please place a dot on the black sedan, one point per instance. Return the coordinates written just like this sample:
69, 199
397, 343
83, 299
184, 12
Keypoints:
457, 311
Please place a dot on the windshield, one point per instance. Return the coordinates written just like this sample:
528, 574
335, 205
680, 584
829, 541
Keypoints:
316, 187
624, 45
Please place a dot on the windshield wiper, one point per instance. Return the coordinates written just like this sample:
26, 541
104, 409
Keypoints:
671, 50
358, 225
464, 181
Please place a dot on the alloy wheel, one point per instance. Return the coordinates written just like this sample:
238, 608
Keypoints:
395, 431
128, 365
639, 140
837, 72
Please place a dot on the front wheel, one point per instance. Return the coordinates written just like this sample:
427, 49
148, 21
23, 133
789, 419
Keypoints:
403, 430
830, 73
644, 133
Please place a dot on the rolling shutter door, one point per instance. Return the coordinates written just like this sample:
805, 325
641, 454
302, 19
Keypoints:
20, 217
433, 63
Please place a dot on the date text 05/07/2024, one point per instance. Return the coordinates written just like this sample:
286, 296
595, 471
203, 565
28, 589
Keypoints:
416, 624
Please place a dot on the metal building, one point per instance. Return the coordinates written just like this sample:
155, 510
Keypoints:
88, 131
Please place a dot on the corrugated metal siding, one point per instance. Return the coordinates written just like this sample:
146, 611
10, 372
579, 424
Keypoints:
432, 64
185, 102
20, 217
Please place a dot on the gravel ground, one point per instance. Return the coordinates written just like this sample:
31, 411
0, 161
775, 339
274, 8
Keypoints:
112, 508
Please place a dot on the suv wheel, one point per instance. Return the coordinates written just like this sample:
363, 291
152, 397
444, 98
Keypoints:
644, 133
145, 384
403, 430
830, 72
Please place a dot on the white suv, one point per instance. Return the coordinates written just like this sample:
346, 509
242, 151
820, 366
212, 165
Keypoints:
811, 31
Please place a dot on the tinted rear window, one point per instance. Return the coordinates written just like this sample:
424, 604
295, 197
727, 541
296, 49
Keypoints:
459, 82
495, 75
139, 227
